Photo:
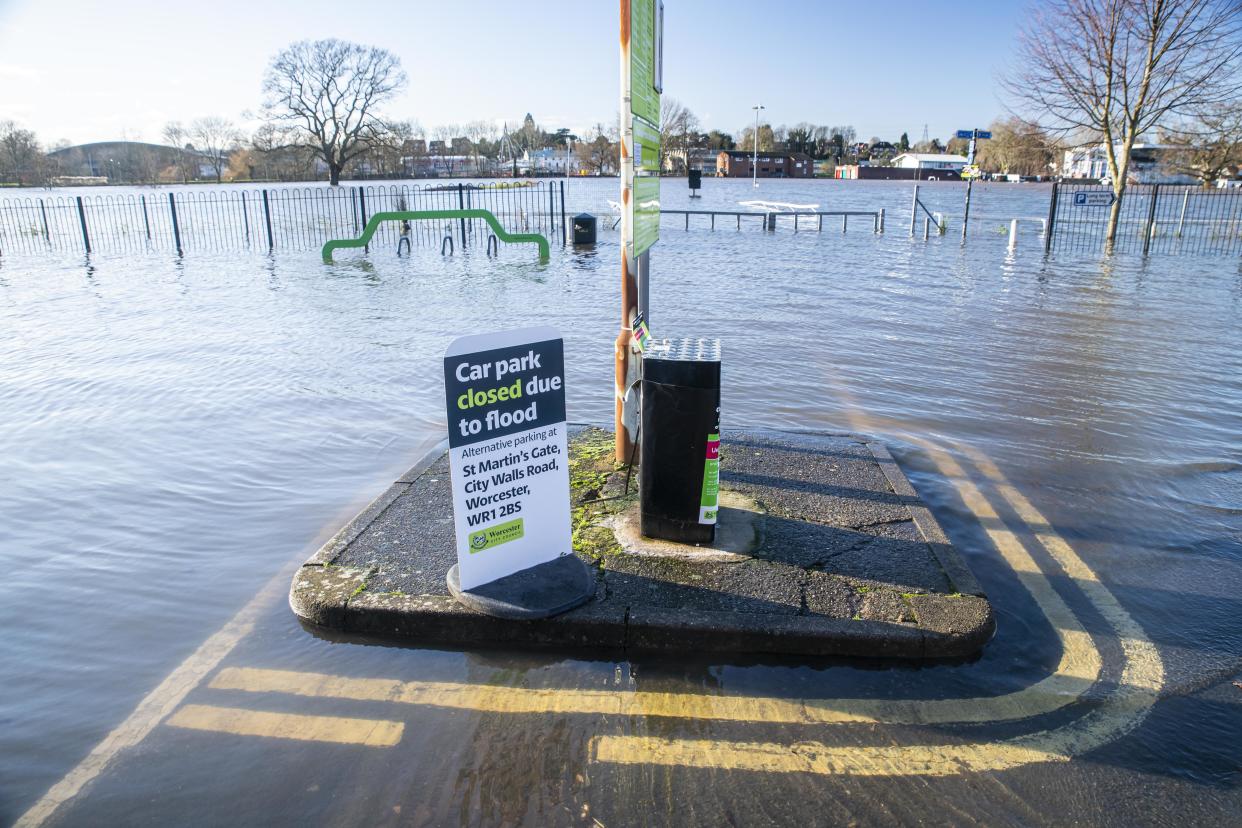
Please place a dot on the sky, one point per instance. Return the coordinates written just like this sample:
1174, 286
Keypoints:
95, 70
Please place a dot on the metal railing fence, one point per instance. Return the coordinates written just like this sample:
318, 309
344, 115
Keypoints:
1163, 219
284, 218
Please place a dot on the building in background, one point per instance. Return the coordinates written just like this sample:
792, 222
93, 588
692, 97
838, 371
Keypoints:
1147, 164
739, 164
930, 161
119, 162
703, 160
547, 161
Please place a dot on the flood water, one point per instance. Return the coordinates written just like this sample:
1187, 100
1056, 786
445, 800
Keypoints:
175, 433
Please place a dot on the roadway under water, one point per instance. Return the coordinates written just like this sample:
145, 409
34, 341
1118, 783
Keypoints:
179, 433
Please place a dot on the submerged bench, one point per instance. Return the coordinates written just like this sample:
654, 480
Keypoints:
414, 215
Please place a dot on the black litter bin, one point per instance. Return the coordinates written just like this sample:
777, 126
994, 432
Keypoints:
584, 228
696, 179
679, 475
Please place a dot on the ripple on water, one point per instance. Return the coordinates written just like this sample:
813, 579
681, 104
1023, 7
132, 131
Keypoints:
176, 431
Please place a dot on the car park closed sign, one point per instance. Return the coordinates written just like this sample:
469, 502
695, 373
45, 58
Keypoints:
505, 395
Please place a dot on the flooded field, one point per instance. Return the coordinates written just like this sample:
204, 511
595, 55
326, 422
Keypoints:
180, 432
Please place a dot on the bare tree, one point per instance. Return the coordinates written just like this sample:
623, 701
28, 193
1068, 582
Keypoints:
333, 91
176, 136
1208, 146
442, 144
480, 134
677, 125
1016, 147
599, 152
746, 139
276, 153
21, 157
1120, 68
214, 138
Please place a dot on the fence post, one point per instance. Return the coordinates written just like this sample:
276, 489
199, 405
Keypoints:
1151, 217
245, 217
47, 236
1052, 219
1182, 218
461, 205
552, 208
1013, 235
362, 211
926, 228
267, 218
353, 207
564, 235
845, 221
146, 219
881, 230
86, 237
914, 208
172, 205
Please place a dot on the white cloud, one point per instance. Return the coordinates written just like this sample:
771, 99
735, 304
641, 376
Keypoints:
17, 74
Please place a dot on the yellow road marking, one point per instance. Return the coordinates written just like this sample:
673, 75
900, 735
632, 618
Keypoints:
157, 704
1080, 663
338, 729
1144, 667
811, 757
1126, 708
570, 701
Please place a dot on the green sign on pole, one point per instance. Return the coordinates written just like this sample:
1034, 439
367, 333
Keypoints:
646, 213
641, 164
646, 147
642, 82
644, 61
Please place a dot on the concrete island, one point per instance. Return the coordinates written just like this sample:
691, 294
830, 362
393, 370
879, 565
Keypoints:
823, 548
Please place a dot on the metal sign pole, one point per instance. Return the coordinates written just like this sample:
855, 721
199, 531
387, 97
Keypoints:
641, 84
629, 287
974, 135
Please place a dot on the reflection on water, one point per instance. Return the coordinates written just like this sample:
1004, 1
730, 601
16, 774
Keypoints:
177, 430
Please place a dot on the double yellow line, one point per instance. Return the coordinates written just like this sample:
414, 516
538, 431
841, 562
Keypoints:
1120, 712
1078, 670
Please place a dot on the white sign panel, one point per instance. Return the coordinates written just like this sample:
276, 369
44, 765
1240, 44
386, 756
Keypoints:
505, 394
1093, 199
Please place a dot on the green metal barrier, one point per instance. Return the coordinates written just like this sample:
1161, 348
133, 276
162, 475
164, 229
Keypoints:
414, 215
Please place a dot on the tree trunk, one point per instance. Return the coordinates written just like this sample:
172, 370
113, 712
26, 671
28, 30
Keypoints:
334, 174
1114, 215
1119, 169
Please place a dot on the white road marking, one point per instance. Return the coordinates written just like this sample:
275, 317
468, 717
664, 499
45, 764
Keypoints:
157, 704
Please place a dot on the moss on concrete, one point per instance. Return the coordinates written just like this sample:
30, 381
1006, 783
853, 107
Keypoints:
596, 491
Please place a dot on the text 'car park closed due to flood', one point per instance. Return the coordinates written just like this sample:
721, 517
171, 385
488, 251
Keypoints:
505, 394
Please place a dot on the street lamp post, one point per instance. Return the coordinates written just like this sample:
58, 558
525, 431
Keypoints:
754, 163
